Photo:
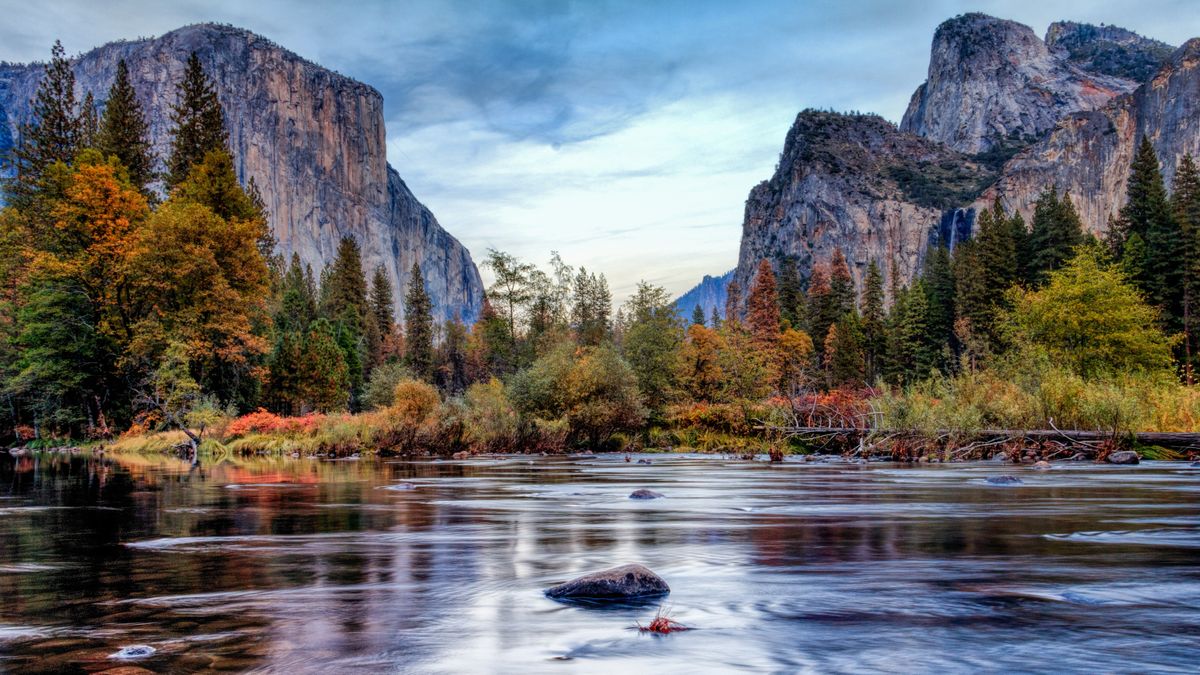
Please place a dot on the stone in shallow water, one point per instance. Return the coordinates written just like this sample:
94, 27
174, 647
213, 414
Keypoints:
1004, 480
133, 652
627, 582
1042, 466
645, 494
1123, 457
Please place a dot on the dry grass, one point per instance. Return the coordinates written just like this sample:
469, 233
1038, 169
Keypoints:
662, 625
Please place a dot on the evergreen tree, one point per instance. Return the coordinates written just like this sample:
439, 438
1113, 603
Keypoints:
451, 371
938, 280
52, 134
845, 361
418, 326
762, 315
326, 383
592, 308
791, 294
698, 316
1185, 206
124, 133
345, 285
714, 320
916, 355
89, 123
1057, 230
822, 307
652, 345
298, 303
199, 123
841, 286
1147, 214
873, 327
382, 316
733, 304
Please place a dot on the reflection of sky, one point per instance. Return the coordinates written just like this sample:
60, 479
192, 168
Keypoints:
624, 134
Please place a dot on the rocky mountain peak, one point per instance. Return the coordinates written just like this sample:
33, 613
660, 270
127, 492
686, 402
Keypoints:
993, 82
1108, 50
313, 140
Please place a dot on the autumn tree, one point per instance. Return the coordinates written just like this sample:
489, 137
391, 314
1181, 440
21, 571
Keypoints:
700, 368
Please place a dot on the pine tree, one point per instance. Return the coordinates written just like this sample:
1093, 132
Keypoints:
762, 315
1185, 206
418, 326
917, 355
791, 294
821, 305
1057, 230
841, 286
714, 319
298, 304
89, 123
451, 370
845, 361
938, 280
326, 383
592, 308
381, 312
733, 304
698, 316
345, 285
199, 123
52, 135
873, 327
1147, 214
124, 133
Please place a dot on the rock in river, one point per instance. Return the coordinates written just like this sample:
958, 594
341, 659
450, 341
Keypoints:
1123, 457
1043, 465
645, 494
627, 582
1004, 480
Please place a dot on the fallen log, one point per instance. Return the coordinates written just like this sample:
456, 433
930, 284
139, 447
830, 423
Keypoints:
1167, 439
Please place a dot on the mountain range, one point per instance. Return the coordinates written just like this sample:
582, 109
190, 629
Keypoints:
1002, 114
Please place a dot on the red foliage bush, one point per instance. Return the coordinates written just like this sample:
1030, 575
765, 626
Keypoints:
264, 422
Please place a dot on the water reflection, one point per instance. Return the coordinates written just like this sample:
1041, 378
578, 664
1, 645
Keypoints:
309, 566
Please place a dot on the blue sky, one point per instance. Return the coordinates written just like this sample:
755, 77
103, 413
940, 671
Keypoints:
625, 135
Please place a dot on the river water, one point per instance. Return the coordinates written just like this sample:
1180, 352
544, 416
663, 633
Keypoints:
438, 567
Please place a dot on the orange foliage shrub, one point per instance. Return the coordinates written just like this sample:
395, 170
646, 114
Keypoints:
264, 422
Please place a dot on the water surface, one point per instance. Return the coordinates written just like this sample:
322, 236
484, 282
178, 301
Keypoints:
439, 566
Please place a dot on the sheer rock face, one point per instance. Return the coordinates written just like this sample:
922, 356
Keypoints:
709, 294
880, 193
313, 140
1089, 154
834, 188
992, 80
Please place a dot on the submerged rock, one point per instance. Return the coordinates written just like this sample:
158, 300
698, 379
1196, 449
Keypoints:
1123, 457
627, 582
1042, 465
645, 494
644, 461
1004, 480
133, 652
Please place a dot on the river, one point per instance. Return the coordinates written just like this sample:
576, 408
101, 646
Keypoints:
431, 566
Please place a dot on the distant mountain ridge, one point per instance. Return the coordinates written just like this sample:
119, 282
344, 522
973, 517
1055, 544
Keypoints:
313, 140
709, 294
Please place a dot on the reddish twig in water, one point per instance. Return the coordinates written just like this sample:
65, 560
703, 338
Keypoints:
662, 625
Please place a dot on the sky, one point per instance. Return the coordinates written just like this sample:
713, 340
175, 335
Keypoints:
624, 135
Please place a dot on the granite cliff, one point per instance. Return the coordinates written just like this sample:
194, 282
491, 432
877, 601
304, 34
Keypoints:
1003, 114
313, 140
